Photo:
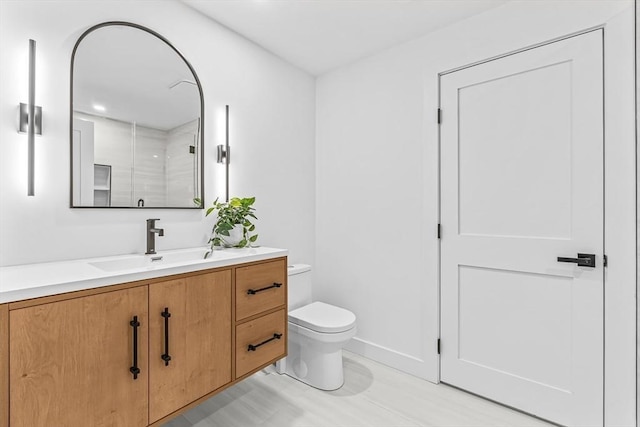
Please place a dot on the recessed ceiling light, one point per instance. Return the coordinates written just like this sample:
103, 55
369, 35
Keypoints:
99, 108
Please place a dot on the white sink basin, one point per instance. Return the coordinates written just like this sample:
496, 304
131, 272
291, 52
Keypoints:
123, 264
130, 262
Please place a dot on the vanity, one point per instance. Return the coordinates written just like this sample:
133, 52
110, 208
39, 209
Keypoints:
128, 342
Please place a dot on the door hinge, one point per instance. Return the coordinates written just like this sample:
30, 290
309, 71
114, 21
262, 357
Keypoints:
439, 231
439, 115
605, 260
438, 345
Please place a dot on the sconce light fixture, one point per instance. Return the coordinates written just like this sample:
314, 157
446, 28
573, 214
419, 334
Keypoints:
30, 119
224, 152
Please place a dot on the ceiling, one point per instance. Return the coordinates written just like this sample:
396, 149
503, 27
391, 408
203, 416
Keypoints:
320, 35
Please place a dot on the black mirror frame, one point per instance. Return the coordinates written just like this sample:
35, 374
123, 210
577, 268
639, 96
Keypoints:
202, 115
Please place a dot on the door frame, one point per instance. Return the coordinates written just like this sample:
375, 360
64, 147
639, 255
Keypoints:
620, 352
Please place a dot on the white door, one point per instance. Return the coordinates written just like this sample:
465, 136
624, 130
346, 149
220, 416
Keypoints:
521, 185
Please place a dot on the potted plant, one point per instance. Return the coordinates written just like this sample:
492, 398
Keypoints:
233, 225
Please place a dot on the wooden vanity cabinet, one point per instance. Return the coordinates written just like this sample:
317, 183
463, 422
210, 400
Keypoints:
70, 362
196, 312
261, 321
4, 365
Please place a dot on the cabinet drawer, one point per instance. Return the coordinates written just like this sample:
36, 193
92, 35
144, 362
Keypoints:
260, 287
257, 342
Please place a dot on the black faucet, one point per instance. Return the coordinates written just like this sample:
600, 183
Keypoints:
151, 235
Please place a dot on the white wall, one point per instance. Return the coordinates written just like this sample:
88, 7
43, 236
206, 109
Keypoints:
377, 183
272, 135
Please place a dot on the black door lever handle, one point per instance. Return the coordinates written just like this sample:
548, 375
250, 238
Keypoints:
583, 260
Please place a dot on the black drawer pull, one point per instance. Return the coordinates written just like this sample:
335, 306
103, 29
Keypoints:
255, 291
166, 316
253, 347
134, 369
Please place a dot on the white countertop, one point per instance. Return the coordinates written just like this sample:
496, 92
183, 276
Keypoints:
38, 280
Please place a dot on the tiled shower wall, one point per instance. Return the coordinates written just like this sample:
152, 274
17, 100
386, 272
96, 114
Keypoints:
113, 148
136, 155
182, 165
158, 164
150, 151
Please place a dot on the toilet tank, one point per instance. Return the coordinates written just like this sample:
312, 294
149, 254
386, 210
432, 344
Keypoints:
299, 285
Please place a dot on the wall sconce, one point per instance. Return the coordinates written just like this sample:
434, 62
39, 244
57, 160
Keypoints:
224, 153
30, 118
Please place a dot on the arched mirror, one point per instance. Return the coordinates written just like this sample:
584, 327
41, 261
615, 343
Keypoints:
136, 121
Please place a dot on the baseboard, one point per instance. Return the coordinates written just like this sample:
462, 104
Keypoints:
392, 358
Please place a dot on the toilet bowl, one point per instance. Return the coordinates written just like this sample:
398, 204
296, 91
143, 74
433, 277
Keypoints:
317, 334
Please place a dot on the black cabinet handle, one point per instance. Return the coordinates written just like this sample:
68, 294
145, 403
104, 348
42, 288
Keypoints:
166, 316
134, 369
255, 291
254, 347
583, 260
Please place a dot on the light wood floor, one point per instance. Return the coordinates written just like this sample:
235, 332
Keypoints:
373, 395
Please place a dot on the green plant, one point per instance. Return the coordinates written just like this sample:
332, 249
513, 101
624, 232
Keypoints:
235, 212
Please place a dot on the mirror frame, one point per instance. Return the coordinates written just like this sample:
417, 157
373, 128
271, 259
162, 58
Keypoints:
195, 75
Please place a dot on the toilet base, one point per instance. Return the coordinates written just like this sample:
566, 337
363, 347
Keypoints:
324, 372
315, 360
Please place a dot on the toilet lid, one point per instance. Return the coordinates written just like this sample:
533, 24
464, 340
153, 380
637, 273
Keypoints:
321, 317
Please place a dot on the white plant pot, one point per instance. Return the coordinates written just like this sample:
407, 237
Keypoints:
234, 237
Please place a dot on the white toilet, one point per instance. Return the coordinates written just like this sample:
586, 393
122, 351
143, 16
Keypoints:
317, 333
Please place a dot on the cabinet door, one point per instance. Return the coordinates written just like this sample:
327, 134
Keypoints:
4, 365
199, 332
70, 362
